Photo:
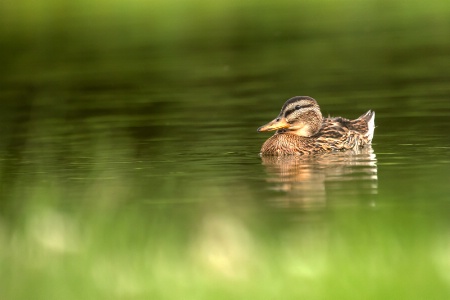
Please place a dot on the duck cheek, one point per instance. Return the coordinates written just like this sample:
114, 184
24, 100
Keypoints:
305, 131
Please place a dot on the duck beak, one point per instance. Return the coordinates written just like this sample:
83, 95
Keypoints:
278, 123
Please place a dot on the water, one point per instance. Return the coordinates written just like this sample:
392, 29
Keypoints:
129, 163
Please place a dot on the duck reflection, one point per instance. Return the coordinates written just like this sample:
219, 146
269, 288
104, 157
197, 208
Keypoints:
309, 181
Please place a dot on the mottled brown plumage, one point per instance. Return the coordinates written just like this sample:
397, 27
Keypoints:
301, 130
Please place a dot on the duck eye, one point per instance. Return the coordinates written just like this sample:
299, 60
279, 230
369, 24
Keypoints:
297, 107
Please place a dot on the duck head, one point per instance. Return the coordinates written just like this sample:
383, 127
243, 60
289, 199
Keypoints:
299, 115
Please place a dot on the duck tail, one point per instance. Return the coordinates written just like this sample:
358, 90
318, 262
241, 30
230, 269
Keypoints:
369, 118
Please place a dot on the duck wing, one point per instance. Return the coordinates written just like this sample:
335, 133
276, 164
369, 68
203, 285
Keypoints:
341, 133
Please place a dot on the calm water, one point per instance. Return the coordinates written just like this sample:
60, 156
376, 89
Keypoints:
129, 164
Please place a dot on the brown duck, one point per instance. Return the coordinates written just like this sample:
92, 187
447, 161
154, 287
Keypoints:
301, 129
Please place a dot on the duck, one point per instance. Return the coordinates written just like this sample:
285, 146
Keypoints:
300, 129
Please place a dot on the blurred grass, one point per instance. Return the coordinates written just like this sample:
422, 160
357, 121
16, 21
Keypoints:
117, 24
168, 251
223, 14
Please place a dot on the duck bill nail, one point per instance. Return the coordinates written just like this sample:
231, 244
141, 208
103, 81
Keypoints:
274, 125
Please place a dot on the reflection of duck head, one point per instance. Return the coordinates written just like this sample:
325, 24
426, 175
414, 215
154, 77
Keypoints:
301, 129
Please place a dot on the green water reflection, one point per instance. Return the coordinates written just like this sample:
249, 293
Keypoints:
129, 164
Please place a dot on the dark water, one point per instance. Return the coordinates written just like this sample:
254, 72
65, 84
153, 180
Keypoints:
129, 164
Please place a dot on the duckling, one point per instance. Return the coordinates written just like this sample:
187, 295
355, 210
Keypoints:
301, 130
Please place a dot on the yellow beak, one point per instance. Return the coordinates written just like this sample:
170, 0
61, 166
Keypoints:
278, 123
